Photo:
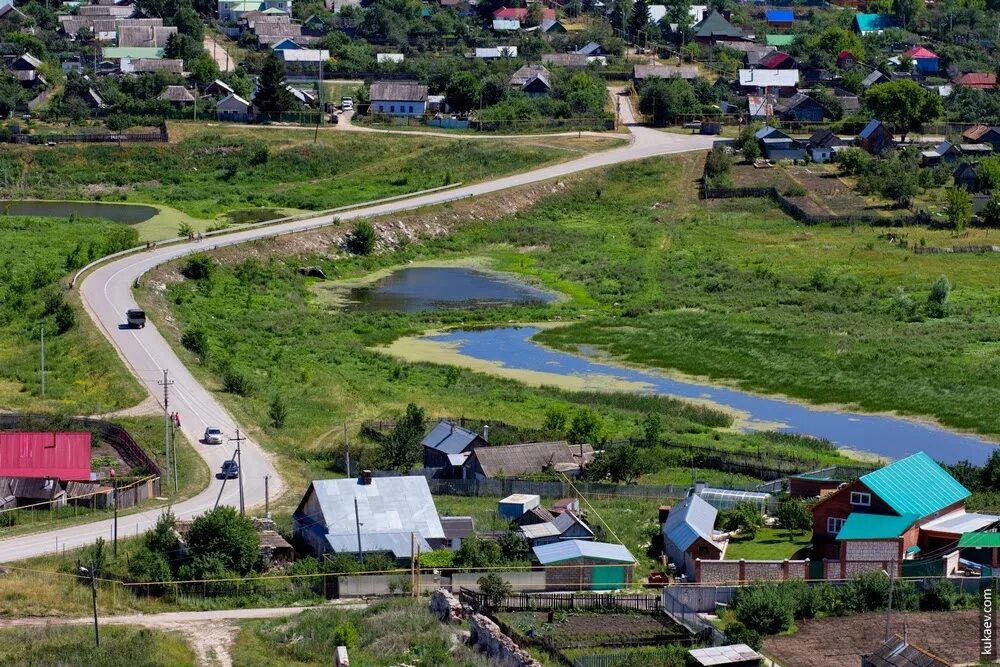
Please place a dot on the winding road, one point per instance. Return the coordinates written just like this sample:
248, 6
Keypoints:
107, 293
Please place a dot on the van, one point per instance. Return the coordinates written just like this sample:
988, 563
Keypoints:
347, 103
136, 318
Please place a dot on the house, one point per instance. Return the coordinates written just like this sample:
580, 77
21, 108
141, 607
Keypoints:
778, 146
966, 176
779, 41
983, 134
551, 26
778, 60
898, 652
975, 150
733, 655
865, 24
779, 18
495, 52
233, 10
592, 50
531, 458
846, 60
760, 107
689, 535
304, 59
464, 7
93, 100
145, 36
979, 80
178, 96
132, 52
398, 98
565, 526
448, 444
715, 28
367, 515
753, 57
818, 483
17, 491
943, 152
218, 89
143, 65
642, 72
516, 505
924, 60
234, 108
875, 138
533, 516
568, 60
533, 80
574, 565
314, 26
801, 107
778, 82
456, 529
874, 78
25, 69
889, 514
285, 44
521, 14
61, 455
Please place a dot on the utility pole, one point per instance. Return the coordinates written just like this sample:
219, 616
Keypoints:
888, 609
239, 462
319, 92
93, 592
357, 524
347, 451
173, 452
165, 383
114, 495
43, 360
267, 497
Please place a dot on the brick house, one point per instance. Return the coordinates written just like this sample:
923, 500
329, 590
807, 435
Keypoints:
894, 512
575, 565
688, 534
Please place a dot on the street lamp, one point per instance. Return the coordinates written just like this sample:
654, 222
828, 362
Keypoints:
89, 572
888, 608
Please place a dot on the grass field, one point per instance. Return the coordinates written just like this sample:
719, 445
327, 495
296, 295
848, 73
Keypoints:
390, 632
212, 169
770, 544
73, 646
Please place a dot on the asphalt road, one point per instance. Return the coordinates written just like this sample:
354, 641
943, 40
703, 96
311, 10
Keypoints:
107, 293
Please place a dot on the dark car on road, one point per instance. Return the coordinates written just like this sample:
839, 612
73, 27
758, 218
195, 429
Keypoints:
230, 470
136, 318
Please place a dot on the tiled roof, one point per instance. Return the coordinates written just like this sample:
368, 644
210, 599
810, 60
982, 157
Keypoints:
915, 485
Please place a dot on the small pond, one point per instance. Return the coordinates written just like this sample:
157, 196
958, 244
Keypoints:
422, 288
129, 214
884, 435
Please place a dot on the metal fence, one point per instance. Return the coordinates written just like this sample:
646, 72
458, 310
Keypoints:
800, 214
690, 619
159, 136
650, 658
557, 601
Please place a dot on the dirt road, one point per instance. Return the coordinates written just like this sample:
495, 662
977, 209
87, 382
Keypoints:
217, 51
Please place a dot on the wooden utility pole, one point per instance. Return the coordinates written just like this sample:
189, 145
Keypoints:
165, 383
239, 463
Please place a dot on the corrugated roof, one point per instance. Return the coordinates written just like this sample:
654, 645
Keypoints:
957, 523
398, 543
915, 485
970, 540
688, 520
558, 552
898, 653
565, 59
921, 53
780, 15
779, 40
723, 655
716, 25
118, 52
875, 22
457, 526
861, 526
539, 530
665, 72
30, 488
62, 455
446, 437
527, 458
869, 129
176, 94
766, 78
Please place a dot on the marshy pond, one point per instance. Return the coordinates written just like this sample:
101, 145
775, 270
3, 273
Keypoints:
129, 214
417, 289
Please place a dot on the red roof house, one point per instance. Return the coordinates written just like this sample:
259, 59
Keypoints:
521, 14
65, 456
778, 60
980, 80
846, 59
924, 60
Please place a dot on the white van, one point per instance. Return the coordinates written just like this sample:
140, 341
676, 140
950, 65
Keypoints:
347, 103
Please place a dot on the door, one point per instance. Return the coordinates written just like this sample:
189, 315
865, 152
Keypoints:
607, 577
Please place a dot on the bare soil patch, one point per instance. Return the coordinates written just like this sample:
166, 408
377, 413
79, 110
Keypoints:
833, 642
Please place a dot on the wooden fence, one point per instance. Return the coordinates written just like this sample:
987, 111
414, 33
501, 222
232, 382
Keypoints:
800, 214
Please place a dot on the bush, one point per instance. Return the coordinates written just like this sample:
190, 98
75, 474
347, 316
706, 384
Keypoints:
495, 588
224, 535
278, 411
237, 382
744, 518
199, 267
346, 635
719, 162
196, 340
737, 633
362, 238
795, 190
65, 318
870, 592
764, 608
942, 596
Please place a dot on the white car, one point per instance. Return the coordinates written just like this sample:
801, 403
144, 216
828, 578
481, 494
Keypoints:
213, 435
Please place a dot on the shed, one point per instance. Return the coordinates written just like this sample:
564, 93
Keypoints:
733, 655
688, 534
898, 652
585, 565
456, 529
514, 506
780, 18
875, 137
63, 455
177, 96
233, 108
966, 176
726, 499
448, 439
218, 88
565, 526
32, 491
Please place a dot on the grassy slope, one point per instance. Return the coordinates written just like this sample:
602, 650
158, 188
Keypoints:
211, 169
73, 646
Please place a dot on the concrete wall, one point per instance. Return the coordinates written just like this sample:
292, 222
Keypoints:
521, 581
385, 584
729, 571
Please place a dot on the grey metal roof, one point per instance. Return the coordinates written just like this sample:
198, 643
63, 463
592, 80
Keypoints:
589, 49
724, 655
570, 549
898, 653
446, 437
457, 526
566, 520
688, 520
398, 543
388, 507
537, 530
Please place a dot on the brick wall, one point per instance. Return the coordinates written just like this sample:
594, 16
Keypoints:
565, 577
731, 571
868, 550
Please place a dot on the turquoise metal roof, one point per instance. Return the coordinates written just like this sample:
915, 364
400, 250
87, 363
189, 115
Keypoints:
875, 22
861, 526
915, 485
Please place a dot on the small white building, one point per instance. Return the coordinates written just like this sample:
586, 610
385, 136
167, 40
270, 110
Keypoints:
496, 52
398, 98
233, 108
514, 506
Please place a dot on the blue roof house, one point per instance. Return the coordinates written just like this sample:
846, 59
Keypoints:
688, 534
892, 514
780, 18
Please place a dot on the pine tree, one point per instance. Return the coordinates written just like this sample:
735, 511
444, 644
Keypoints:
273, 95
639, 19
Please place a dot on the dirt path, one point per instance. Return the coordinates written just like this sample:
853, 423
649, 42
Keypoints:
149, 407
218, 51
210, 633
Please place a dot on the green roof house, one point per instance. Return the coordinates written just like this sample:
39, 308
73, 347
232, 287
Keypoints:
779, 41
910, 507
715, 28
865, 24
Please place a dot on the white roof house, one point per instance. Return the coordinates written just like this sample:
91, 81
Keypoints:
304, 55
495, 52
769, 78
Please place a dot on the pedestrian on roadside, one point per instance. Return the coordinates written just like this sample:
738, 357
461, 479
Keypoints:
177, 419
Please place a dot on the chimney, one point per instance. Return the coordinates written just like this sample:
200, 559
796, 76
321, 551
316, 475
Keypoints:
486, 432
366, 477
699, 487
452, 425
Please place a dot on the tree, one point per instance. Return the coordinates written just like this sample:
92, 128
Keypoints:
401, 449
586, 427
495, 588
463, 91
718, 162
278, 411
638, 20
536, 12
991, 212
225, 537
988, 178
989, 474
188, 22
162, 539
903, 104
196, 340
957, 207
667, 100
11, 93
479, 552
937, 300
273, 95
679, 12
203, 68
555, 418
908, 11
362, 238
763, 608
583, 93
618, 464
794, 516
744, 518
651, 428
833, 40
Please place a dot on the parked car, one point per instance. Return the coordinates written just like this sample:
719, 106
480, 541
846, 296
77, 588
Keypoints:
136, 318
347, 103
213, 435
230, 470
692, 125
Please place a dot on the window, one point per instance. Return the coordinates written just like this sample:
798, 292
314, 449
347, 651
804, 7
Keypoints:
411, 108
859, 498
392, 109
833, 525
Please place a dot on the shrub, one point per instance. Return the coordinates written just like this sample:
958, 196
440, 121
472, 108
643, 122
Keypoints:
942, 596
223, 534
199, 267
237, 382
737, 633
278, 411
764, 608
346, 635
65, 318
362, 238
719, 162
795, 190
196, 340
744, 518
495, 588
870, 591
937, 300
